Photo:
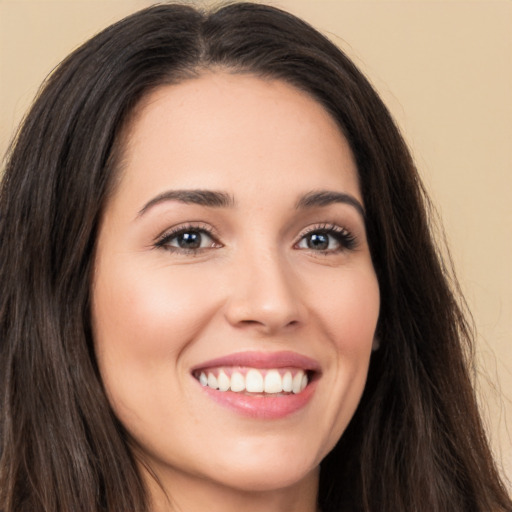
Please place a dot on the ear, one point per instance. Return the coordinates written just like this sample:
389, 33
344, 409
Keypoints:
376, 343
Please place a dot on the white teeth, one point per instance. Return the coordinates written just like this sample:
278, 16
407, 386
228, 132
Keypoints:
212, 381
255, 381
287, 382
237, 382
303, 382
297, 382
223, 381
273, 382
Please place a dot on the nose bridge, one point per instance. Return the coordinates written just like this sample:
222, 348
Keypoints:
263, 292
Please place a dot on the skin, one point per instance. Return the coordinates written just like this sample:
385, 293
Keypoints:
256, 283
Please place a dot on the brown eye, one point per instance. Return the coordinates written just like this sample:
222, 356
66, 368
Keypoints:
187, 240
327, 239
319, 241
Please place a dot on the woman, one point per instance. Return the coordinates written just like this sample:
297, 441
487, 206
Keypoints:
218, 273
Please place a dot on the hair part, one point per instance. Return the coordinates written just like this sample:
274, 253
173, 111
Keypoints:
416, 441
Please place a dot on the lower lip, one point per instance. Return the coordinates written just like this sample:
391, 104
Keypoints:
265, 407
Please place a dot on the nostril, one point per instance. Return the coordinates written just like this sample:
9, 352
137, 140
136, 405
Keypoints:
268, 326
250, 322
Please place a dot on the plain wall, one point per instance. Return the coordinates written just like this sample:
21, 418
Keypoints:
444, 68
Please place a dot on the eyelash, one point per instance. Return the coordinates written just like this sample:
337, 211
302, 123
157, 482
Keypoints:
346, 240
163, 241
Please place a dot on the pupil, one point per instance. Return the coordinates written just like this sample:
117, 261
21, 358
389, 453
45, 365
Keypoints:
318, 241
189, 240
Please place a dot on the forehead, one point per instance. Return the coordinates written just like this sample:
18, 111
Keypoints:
221, 130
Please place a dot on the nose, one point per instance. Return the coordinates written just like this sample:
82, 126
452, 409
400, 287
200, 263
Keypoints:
264, 295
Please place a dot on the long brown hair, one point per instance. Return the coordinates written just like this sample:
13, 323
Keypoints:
416, 442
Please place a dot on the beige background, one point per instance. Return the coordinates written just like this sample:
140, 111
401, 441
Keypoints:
444, 68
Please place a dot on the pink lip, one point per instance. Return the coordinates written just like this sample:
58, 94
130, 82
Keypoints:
262, 360
262, 406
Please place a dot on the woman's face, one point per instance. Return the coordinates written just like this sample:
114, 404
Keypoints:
233, 255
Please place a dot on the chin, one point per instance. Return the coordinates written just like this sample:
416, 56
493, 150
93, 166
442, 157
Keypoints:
270, 471
267, 479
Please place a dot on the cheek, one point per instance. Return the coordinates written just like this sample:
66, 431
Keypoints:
349, 310
143, 322
353, 325
151, 311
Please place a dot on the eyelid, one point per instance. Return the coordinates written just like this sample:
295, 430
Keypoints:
323, 226
349, 240
160, 240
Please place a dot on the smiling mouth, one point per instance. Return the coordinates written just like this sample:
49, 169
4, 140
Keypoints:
250, 381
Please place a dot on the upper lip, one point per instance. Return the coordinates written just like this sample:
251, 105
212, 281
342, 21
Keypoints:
262, 360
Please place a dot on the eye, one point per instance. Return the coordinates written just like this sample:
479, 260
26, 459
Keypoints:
318, 242
327, 239
187, 240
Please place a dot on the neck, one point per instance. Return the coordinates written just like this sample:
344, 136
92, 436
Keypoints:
179, 493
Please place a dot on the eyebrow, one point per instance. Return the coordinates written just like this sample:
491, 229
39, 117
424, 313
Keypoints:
218, 199
327, 197
210, 198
